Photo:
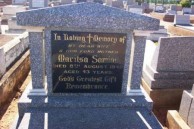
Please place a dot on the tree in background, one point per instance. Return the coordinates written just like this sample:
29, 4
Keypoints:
185, 3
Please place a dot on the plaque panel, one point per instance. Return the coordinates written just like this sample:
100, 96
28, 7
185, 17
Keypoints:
87, 62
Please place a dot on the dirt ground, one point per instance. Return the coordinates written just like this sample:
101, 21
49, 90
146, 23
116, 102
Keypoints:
5, 39
10, 110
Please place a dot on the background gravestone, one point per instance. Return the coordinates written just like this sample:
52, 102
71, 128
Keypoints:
171, 64
34, 4
19, 2
93, 67
168, 69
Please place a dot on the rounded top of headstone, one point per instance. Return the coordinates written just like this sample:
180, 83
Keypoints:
86, 15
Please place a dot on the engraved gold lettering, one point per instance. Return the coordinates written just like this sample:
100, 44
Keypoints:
57, 37
110, 79
96, 59
88, 79
74, 38
85, 86
66, 79
77, 59
122, 40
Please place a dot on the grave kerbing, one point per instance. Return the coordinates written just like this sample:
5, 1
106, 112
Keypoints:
86, 110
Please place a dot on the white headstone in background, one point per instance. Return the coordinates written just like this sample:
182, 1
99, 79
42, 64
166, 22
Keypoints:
38, 4
182, 20
136, 10
19, 2
187, 11
66, 1
159, 8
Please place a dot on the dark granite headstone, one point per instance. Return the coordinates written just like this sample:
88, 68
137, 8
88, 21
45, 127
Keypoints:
87, 62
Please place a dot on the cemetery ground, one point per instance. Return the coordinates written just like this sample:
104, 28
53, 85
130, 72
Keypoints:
9, 111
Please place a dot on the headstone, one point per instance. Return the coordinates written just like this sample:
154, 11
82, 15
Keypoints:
117, 4
19, 2
159, 8
187, 11
162, 32
135, 9
34, 4
182, 20
170, 66
186, 101
179, 8
145, 6
108, 2
91, 81
11, 10
131, 2
173, 7
171, 12
13, 25
66, 1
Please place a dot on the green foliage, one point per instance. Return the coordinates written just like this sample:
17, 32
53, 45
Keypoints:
185, 3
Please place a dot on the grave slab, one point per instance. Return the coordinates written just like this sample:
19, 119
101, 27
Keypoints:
101, 119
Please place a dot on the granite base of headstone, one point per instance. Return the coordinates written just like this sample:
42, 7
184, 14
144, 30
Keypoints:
90, 81
170, 66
